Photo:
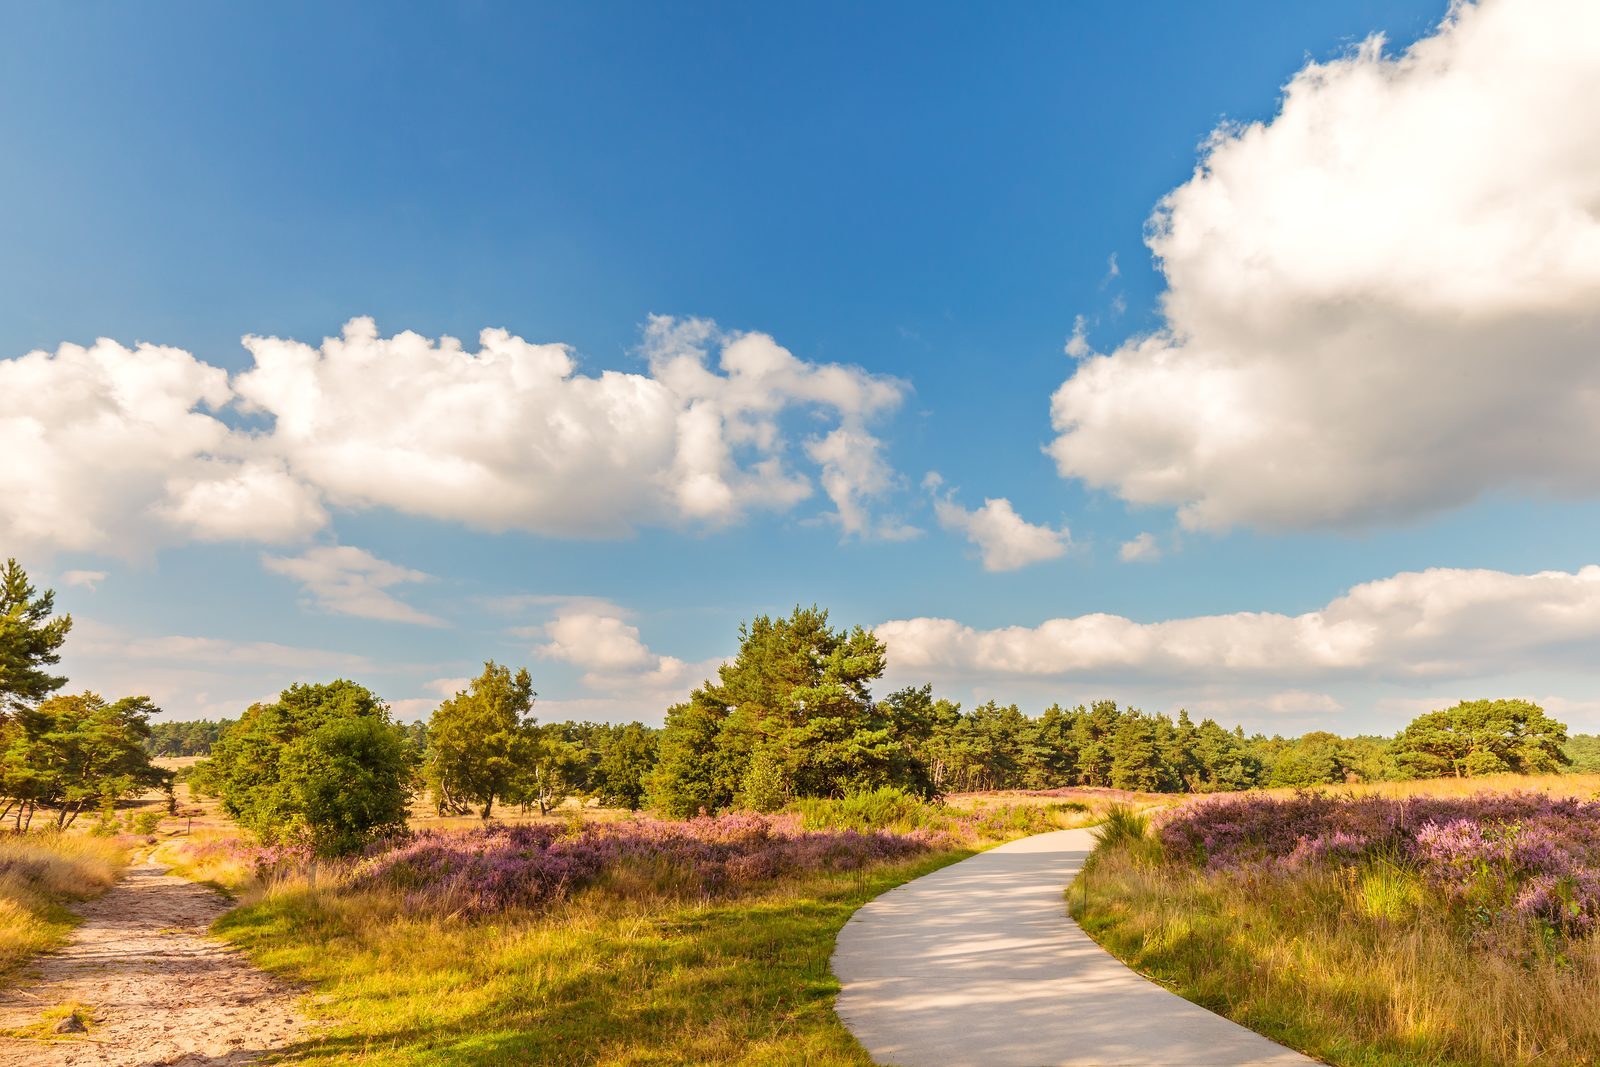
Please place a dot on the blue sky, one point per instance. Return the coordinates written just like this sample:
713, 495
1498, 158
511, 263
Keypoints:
930, 194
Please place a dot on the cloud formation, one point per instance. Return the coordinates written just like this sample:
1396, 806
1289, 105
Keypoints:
116, 449
1005, 540
1381, 303
1140, 549
346, 580
1434, 624
120, 449
616, 663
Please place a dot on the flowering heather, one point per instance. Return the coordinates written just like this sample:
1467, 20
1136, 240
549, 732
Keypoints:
1490, 856
492, 868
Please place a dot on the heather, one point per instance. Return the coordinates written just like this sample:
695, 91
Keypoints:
1488, 859
1432, 927
498, 867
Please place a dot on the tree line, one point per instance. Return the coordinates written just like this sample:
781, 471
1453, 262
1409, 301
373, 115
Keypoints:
793, 715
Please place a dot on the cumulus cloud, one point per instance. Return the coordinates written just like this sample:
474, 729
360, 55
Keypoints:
1005, 539
513, 437
346, 580
1140, 549
616, 662
1440, 623
1381, 303
121, 449
118, 449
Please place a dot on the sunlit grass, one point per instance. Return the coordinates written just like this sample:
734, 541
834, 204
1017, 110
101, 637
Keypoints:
40, 874
603, 978
1361, 964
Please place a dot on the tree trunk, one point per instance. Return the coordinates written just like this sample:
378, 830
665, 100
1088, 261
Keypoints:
488, 805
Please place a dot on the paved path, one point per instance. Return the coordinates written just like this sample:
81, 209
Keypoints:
978, 965
159, 991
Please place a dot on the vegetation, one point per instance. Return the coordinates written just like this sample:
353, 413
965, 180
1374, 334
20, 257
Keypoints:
1481, 737
40, 873
192, 738
323, 766
641, 941
30, 640
618, 974
1374, 929
74, 753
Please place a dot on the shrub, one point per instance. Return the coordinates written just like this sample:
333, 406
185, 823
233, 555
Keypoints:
1122, 826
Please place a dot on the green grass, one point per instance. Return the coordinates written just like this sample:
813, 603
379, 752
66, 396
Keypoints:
599, 980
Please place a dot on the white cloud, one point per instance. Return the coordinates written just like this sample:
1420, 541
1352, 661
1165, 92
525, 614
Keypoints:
346, 580
89, 580
618, 668
1438, 624
854, 472
1141, 549
1005, 540
121, 450
512, 437
1380, 303
113, 449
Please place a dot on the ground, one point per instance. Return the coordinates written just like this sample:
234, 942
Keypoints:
151, 986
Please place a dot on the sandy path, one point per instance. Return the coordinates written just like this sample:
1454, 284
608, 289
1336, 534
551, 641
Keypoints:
160, 992
978, 965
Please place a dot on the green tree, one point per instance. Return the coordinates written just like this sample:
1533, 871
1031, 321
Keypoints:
480, 740
1136, 756
1317, 758
323, 765
1481, 737
689, 775
30, 640
798, 693
350, 781
624, 766
76, 753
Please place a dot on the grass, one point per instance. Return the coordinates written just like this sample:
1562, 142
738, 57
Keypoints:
40, 874
1358, 963
635, 969
601, 979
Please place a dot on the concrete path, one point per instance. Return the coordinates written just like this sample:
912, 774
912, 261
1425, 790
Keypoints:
978, 965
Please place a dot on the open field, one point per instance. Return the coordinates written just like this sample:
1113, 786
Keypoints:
650, 960
1440, 922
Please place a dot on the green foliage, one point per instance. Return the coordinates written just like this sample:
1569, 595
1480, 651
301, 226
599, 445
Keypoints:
323, 765
30, 640
1481, 737
885, 808
625, 757
75, 754
192, 738
1121, 826
1583, 753
792, 715
349, 780
480, 740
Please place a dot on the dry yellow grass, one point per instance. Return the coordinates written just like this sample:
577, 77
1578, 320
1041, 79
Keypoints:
40, 873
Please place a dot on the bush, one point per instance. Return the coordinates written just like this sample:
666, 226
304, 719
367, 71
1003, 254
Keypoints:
885, 808
1122, 826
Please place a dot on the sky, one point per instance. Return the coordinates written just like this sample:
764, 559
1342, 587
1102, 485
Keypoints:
1242, 357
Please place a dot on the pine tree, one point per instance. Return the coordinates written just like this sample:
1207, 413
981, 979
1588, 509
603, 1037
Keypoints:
30, 640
